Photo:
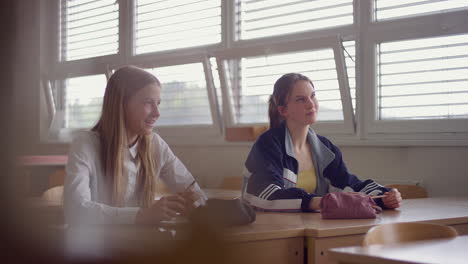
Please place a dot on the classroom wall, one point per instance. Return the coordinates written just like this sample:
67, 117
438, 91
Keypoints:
441, 170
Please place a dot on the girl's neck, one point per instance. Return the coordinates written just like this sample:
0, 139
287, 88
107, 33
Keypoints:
131, 140
298, 134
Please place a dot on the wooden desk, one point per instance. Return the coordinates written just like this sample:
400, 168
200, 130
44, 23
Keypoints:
281, 237
272, 238
445, 251
322, 235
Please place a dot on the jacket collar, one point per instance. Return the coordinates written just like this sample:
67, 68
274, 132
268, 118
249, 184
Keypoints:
322, 154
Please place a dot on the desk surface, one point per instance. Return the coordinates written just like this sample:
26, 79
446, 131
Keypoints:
448, 211
446, 251
274, 225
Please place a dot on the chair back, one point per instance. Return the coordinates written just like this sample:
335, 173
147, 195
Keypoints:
409, 191
232, 183
54, 194
57, 178
407, 232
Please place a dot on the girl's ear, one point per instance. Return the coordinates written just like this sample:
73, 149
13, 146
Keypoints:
283, 110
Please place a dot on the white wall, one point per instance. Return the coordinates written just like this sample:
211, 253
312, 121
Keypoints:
443, 171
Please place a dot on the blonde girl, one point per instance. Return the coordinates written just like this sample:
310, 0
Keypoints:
113, 168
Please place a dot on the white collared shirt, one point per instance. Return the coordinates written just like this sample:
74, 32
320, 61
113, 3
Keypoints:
84, 193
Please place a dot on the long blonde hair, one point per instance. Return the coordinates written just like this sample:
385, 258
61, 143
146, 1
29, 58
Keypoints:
122, 85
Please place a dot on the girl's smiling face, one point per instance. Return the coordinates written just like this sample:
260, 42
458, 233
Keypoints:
142, 111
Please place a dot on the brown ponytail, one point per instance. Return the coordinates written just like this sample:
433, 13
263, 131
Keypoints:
281, 91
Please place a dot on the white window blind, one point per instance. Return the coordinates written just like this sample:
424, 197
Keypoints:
387, 9
167, 25
260, 18
184, 97
258, 75
83, 100
89, 28
423, 78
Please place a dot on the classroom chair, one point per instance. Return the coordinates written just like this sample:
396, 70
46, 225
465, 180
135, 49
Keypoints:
407, 232
409, 191
232, 183
57, 178
54, 193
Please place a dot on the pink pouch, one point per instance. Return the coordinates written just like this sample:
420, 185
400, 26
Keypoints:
346, 205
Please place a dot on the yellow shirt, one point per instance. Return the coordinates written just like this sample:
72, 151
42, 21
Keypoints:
307, 180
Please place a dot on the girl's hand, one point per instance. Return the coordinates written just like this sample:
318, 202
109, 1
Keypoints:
315, 203
189, 197
392, 199
163, 209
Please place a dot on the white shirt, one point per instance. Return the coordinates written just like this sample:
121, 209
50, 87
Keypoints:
84, 193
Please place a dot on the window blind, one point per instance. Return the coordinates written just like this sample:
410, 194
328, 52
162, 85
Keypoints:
260, 18
423, 78
167, 25
387, 9
83, 100
89, 28
184, 98
258, 75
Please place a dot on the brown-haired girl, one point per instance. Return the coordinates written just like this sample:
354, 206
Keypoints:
290, 167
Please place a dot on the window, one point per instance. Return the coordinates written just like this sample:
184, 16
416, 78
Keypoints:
382, 69
385, 9
167, 25
83, 100
278, 17
423, 78
89, 28
258, 75
184, 97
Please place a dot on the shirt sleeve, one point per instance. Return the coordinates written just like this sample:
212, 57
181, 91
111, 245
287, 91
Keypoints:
79, 205
174, 174
266, 187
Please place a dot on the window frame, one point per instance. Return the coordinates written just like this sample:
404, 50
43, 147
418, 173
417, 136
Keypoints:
405, 29
211, 130
347, 126
361, 128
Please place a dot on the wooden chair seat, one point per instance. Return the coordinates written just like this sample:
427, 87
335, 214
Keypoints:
409, 191
54, 194
406, 232
232, 183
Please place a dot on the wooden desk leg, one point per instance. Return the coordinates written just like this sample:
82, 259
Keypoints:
287, 250
317, 248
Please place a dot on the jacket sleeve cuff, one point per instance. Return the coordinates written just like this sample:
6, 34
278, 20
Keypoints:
305, 205
380, 203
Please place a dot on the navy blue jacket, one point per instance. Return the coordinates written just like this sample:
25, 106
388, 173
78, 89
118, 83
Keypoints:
270, 177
